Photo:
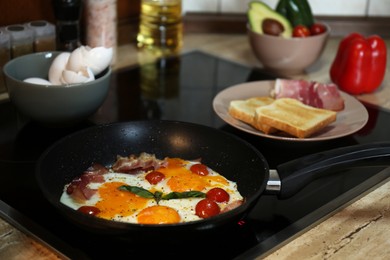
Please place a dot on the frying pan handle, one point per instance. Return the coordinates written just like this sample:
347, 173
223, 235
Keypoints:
296, 174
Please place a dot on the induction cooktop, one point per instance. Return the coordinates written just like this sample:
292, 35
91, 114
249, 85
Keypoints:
179, 88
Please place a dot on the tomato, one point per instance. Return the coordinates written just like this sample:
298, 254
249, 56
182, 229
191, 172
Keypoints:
199, 169
154, 177
89, 210
218, 195
207, 208
301, 31
317, 28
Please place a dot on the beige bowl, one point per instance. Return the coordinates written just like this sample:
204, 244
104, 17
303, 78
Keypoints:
59, 105
287, 56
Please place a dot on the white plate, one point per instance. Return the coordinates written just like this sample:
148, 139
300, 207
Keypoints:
350, 120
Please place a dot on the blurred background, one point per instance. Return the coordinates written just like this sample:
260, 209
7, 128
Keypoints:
225, 16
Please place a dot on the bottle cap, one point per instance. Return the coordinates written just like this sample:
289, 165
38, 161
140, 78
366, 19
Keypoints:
20, 33
41, 28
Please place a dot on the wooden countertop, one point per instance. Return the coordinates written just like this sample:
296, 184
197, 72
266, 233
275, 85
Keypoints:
359, 231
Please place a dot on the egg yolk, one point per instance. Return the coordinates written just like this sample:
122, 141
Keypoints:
182, 179
114, 202
158, 215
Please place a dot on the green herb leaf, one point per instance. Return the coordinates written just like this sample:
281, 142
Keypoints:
157, 196
183, 195
138, 191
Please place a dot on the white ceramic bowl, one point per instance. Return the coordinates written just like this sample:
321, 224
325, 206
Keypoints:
52, 105
287, 56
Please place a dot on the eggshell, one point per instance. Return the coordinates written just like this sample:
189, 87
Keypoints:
71, 77
80, 65
97, 58
57, 66
38, 81
76, 60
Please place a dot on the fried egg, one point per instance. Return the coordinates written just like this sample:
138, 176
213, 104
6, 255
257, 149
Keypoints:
117, 204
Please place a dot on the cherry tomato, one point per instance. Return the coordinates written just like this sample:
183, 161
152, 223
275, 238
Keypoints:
89, 210
218, 195
301, 31
199, 169
317, 28
154, 177
207, 208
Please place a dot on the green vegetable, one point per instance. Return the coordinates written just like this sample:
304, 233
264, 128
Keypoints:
159, 195
183, 195
259, 12
281, 7
138, 191
298, 12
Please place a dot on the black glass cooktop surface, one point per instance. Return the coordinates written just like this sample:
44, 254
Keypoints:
180, 88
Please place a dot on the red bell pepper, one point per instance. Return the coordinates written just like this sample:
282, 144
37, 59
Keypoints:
360, 64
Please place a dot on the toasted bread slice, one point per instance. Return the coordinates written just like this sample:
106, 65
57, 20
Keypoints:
244, 110
293, 117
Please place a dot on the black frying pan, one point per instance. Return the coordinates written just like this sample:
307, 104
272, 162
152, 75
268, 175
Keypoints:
230, 156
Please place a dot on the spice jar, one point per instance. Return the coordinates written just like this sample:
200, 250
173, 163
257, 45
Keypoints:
101, 24
21, 39
5, 56
44, 35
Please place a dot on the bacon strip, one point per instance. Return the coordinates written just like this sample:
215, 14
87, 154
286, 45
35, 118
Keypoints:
232, 205
78, 189
134, 164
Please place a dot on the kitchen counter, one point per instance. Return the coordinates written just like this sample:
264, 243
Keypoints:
360, 230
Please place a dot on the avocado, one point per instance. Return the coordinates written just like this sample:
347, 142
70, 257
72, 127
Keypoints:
259, 11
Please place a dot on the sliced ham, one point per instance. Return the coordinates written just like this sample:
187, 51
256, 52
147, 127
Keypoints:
320, 95
330, 96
